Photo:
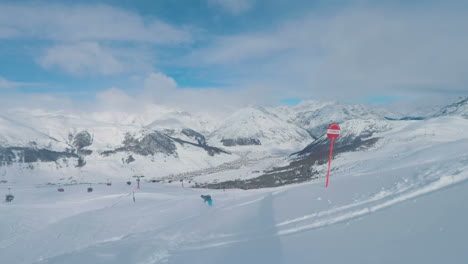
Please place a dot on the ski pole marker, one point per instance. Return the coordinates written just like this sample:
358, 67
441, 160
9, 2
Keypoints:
333, 132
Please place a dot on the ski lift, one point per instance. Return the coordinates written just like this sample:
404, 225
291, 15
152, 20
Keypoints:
90, 189
9, 197
108, 183
60, 189
129, 183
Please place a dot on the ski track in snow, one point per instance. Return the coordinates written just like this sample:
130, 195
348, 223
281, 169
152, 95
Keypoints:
345, 213
443, 182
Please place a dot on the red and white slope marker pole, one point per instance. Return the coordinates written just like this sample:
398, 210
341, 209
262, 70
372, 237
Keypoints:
333, 132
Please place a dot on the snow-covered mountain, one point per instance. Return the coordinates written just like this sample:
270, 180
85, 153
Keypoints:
39, 140
17, 134
408, 110
256, 126
315, 116
317, 119
459, 108
163, 141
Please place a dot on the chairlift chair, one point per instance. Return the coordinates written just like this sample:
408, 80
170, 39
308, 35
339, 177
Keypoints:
129, 183
60, 189
9, 197
90, 189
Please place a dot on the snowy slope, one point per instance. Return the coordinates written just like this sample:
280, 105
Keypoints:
106, 154
61, 125
157, 116
290, 113
353, 132
17, 134
459, 108
259, 127
108, 131
399, 202
317, 119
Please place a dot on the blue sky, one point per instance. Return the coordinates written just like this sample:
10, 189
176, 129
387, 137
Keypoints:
232, 51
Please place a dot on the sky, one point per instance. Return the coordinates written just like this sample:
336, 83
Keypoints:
218, 53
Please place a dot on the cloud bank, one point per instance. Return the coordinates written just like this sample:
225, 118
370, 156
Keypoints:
354, 53
347, 53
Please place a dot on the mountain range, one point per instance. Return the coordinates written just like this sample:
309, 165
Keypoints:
164, 142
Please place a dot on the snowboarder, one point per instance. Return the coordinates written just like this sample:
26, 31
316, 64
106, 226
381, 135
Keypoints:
207, 198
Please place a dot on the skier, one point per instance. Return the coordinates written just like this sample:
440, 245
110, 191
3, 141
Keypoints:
207, 198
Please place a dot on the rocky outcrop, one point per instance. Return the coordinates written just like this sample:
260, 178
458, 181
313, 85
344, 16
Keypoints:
210, 150
82, 139
150, 144
195, 135
10, 155
230, 142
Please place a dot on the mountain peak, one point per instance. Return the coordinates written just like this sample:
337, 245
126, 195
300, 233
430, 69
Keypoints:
460, 107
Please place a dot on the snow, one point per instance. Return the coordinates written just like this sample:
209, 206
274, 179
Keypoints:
19, 135
459, 108
401, 201
246, 167
51, 130
257, 123
315, 119
281, 131
159, 115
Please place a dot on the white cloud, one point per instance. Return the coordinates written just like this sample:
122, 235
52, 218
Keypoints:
234, 7
241, 48
90, 39
5, 84
85, 23
82, 58
116, 99
31, 101
162, 89
155, 88
355, 53
158, 88
159, 83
